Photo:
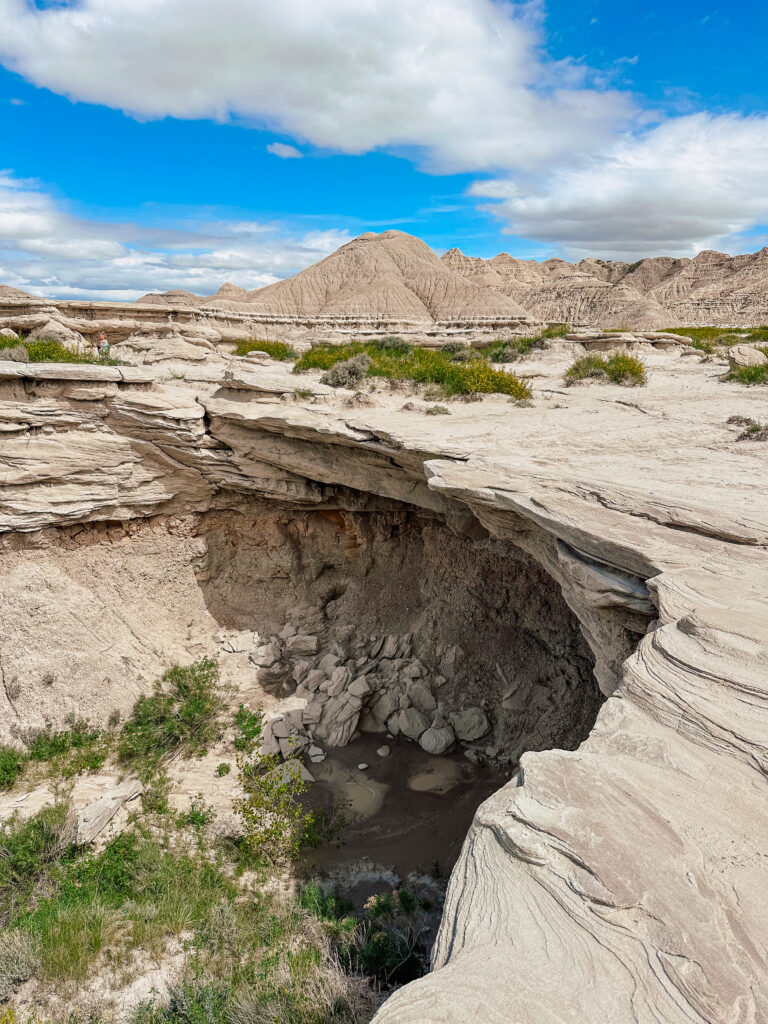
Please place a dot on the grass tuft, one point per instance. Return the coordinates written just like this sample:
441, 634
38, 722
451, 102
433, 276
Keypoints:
751, 374
753, 430
276, 349
182, 715
618, 368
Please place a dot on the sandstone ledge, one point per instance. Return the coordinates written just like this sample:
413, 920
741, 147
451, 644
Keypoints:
622, 882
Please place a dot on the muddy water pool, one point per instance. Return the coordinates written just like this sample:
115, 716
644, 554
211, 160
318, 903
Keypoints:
405, 813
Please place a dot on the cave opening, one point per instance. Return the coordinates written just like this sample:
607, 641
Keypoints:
399, 632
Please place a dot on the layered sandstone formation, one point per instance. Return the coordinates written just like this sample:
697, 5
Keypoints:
712, 289
620, 533
396, 277
392, 283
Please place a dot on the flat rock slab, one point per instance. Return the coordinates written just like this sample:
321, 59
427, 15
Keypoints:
273, 383
96, 816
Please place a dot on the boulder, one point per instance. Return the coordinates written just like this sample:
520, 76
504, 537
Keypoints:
412, 723
376, 716
470, 724
421, 697
438, 739
359, 687
301, 645
240, 643
745, 355
339, 720
59, 332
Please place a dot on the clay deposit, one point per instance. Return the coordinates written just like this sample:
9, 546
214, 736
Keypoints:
577, 587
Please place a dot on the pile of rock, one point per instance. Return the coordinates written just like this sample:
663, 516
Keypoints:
373, 684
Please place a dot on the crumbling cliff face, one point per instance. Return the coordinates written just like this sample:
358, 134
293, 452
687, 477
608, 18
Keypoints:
609, 592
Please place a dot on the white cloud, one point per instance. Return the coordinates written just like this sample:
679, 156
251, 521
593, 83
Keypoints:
46, 250
687, 184
284, 152
465, 85
464, 80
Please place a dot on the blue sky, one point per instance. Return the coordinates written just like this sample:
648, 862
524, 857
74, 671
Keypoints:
136, 155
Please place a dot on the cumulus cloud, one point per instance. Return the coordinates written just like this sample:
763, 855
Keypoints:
463, 80
46, 250
459, 85
284, 152
687, 184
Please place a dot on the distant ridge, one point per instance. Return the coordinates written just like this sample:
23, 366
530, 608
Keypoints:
710, 289
394, 277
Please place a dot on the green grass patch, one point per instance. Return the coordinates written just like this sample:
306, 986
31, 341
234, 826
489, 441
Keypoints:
72, 751
247, 725
617, 368
401, 361
709, 339
265, 956
182, 715
48, 350
275, 349
749, 374
137, 892
12, 765
30, 851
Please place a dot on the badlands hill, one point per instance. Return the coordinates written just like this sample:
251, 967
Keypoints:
388, 275
713, 288
394, 274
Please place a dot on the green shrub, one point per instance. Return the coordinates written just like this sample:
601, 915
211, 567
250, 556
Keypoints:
12, 764
618, 368
324, 905
274, 820
275, 349
749, 374
71, 751
452, 348
247, 729
14, 353
29, 850
181, 715
466, 355
348, 373
391, 942
223, 769
437, 410
393, 345
19, 960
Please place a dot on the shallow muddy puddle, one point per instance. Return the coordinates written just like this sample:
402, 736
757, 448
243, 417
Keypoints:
408, 812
